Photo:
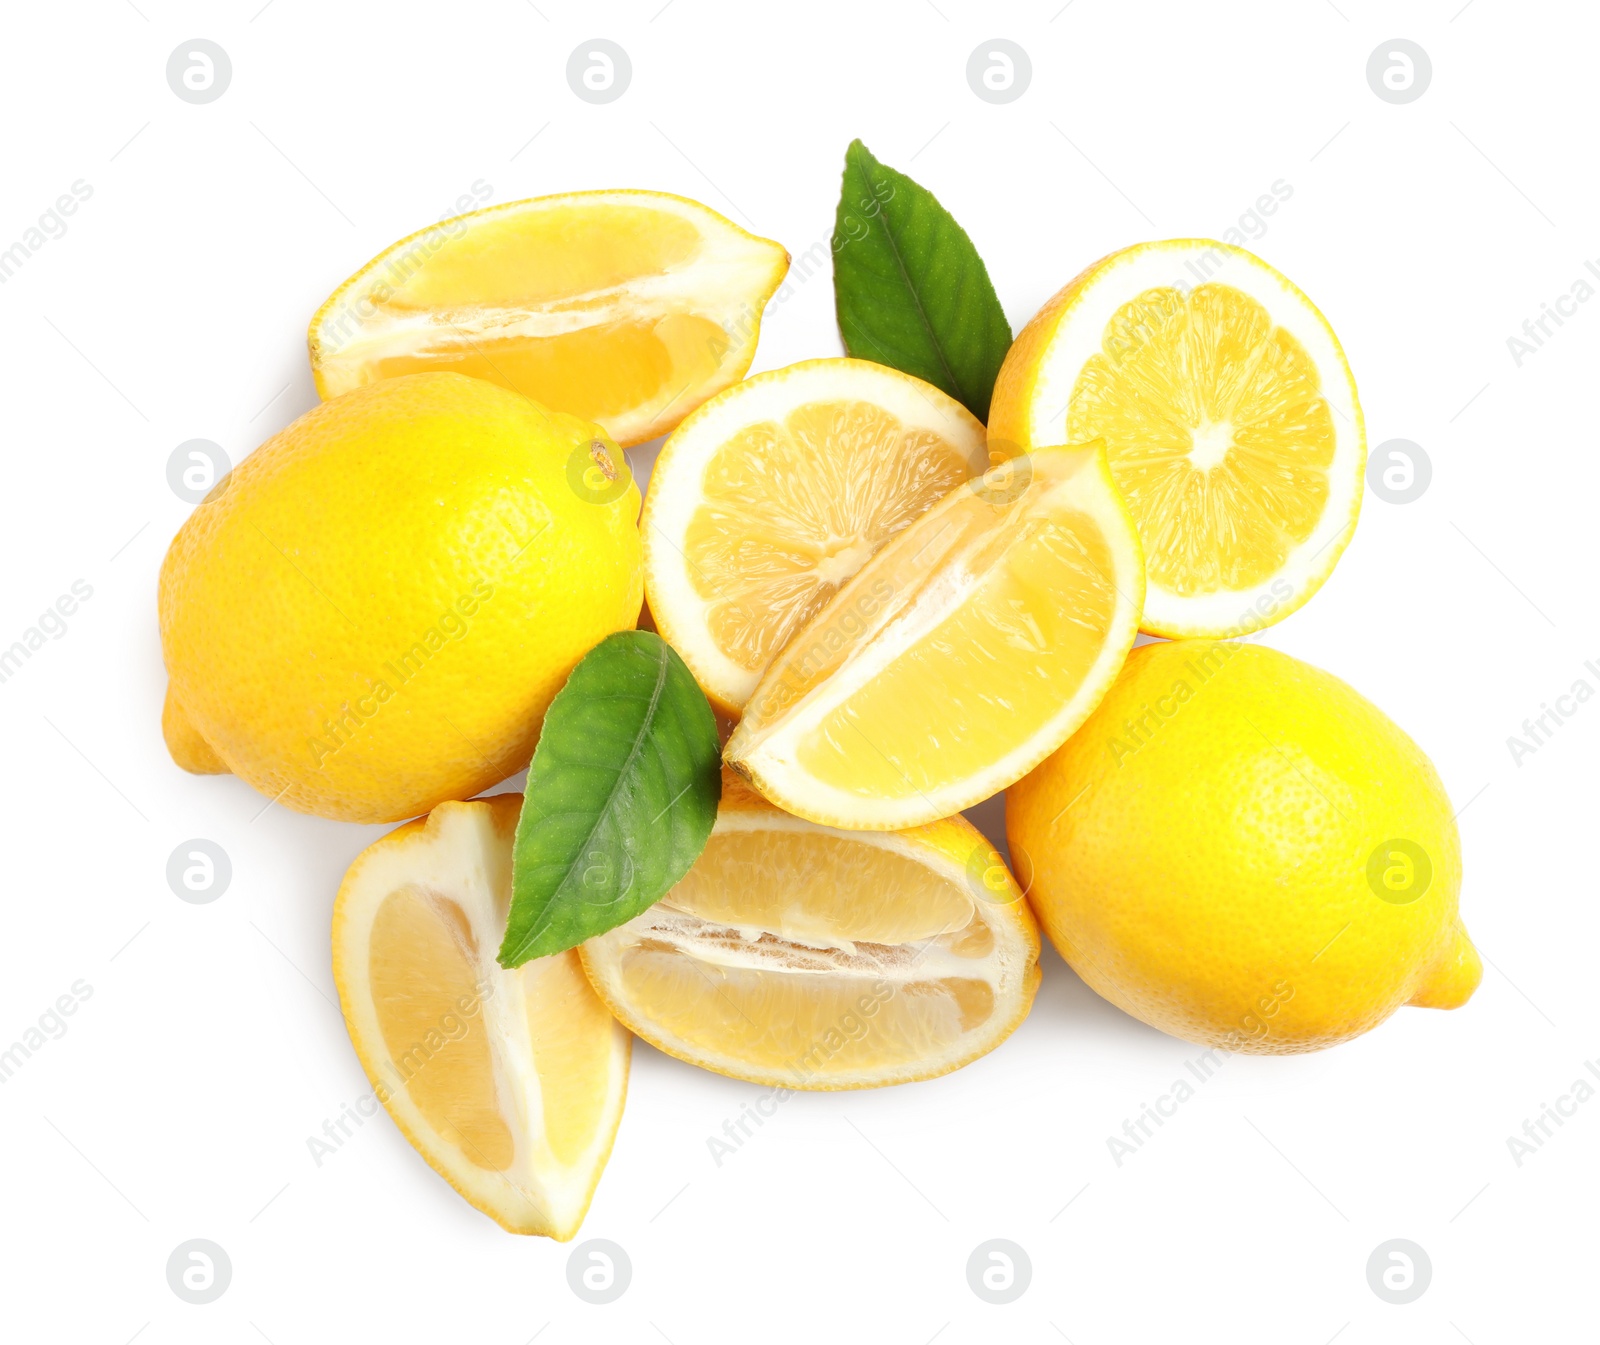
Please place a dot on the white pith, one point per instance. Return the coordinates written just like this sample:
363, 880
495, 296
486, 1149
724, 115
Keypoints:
1210, 444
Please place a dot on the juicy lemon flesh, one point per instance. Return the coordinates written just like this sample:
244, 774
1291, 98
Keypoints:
523, 259
607, 369
777, 1018
1030, 598
791, 509
565, 1020
1216, 431
423, 965
836, 892
803, 954
626, 314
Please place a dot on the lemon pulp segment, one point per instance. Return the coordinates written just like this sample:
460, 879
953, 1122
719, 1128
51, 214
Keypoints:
793, 507
806, 957
1216, 430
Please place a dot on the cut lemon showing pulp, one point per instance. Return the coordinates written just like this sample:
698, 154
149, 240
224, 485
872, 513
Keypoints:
959, 657
626, 308
798, 956
1229, 416
772, 495
510, 1083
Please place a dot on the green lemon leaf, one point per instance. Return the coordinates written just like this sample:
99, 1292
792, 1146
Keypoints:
621, 796
910, 288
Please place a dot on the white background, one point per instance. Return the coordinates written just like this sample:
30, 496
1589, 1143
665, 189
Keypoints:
179, 1102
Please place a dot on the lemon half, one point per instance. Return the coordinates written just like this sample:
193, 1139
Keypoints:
1229, 416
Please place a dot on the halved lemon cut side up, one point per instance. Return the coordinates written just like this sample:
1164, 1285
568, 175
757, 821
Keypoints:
773, 494
799, 956
624, 308
1229, 417
959, 657
509, 1083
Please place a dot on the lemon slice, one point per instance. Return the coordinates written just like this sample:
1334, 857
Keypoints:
510, 1083
773, 494
1229, 416
959, 657
626, 308
800, 956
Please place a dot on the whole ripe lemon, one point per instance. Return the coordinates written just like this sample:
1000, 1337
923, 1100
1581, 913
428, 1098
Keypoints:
1240, 850
371, 614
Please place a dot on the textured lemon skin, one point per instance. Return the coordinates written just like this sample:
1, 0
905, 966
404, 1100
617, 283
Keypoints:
184, 743
1198, 852
372, 613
